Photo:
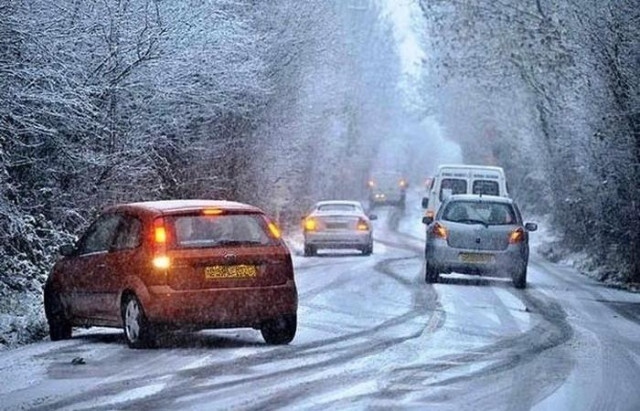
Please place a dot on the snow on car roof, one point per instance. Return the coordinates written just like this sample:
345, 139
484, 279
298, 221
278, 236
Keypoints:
478, 197
176, 205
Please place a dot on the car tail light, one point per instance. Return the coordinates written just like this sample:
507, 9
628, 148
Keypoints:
310, 224
516, 236
274, 230
439, 231
430, 213
160, 258
362, 225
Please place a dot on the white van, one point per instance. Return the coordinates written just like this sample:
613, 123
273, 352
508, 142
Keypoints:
463, 179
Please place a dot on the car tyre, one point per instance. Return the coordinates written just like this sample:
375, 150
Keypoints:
430, 274
368, 250
309, 250
280, 331
137, 331
59, 326
520, 278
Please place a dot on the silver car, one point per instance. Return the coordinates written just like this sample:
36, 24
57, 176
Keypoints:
477, 234
338, 224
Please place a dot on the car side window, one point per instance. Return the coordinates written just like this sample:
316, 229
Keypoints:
128, 235
99, 235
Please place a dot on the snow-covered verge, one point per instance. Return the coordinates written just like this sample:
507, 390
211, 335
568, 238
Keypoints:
22, 318
549, 244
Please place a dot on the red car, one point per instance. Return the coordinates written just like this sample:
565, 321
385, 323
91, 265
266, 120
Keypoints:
154, 266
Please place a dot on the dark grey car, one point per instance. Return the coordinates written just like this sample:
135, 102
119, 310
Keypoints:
474, 234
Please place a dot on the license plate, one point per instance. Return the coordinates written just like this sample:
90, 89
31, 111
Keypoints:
230, 271
475, 258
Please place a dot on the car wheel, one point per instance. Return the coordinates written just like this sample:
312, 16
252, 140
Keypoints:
137, 330
520, 278
281, 330
430, 274
59, 325
368, 250
309, 250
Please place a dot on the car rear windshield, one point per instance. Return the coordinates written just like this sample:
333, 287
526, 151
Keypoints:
337, 207
197, 231
485, 212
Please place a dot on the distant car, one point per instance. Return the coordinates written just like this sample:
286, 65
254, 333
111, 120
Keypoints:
338, 224
476, 234
387, 188
165, 265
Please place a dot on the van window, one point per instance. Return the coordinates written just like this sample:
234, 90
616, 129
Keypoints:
486, 187
456, 185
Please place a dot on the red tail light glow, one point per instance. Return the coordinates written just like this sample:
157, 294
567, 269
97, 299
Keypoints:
362, 225
516, 236
160, 235
160, 259
439, 231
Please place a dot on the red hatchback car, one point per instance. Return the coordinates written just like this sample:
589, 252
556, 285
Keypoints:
161, 265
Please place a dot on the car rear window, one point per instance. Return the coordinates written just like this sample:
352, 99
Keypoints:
482, 211
337, 207
197, 231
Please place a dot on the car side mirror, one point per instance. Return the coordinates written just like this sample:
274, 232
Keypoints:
425, 202
427, 220
531, 226
373, 217
67, 250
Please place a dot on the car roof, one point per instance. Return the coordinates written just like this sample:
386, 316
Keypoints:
171, 206
478, 197
338, 202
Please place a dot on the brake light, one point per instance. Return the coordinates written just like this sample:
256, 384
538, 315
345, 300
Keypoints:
310, 224
439, 231
160, 259
160, 235
212, 211
516, 236
430, 213
362, 225
275, 231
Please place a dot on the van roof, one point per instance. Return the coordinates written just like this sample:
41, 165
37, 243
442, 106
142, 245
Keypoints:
470, 167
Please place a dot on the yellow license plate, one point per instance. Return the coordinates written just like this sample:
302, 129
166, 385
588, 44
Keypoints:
475, 258
230, 271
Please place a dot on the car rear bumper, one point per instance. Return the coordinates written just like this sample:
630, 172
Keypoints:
220, 308
501, 263
348, 239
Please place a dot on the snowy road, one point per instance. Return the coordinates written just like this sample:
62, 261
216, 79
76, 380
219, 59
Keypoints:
372, 335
